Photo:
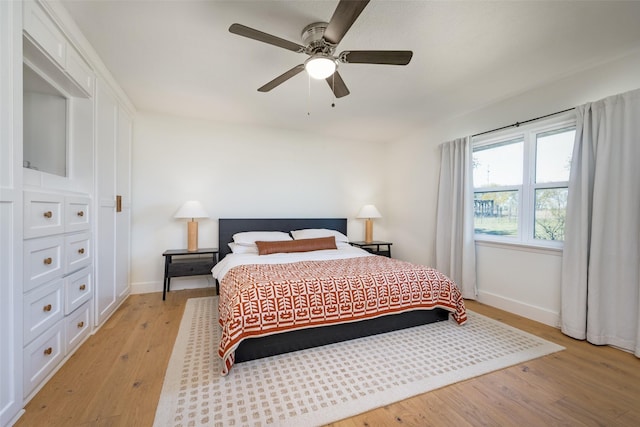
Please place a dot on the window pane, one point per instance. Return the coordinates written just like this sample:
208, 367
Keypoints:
496, 213
498, 164
550, 213
553, 155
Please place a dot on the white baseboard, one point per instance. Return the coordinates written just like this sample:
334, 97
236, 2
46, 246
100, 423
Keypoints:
177, 283
16, 418
539, 314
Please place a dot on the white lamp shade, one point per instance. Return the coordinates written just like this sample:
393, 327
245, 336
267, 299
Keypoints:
369, 211
320, 67
191, 209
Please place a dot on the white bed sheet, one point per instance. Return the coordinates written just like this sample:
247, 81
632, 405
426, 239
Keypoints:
232, 260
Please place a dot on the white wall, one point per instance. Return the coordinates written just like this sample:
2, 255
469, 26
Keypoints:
240, 171
521, 281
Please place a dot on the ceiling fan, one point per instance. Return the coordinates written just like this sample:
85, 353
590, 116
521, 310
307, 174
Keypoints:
320, 41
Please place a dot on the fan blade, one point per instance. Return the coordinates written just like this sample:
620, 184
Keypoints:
251, 33
390, 57
281, 78
337, 85
343, 18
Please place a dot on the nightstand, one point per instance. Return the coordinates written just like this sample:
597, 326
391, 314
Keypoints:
187, 263
376, 247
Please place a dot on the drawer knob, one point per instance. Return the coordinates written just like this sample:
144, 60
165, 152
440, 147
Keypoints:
46, 307
48, 351
80, 325
48, 214
80, 213
83, 287
81, 250
48, 261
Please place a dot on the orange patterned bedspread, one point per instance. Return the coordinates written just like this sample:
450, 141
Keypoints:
263, 299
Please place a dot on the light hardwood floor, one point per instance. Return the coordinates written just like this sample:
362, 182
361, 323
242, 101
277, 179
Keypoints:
115, 379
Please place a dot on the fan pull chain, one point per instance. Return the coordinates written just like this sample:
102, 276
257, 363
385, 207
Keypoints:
333, 89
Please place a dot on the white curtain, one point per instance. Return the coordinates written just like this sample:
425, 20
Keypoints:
601, 260
455, 247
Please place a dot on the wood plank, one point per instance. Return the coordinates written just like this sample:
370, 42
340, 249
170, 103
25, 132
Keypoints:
154, 360
120, 372
115, 379
98, 384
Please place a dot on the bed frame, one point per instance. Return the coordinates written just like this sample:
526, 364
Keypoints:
256, 348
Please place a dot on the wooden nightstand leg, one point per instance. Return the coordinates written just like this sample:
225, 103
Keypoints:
165, 282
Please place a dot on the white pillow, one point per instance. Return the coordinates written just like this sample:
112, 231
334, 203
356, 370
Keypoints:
243, 249
313, 233
249, 238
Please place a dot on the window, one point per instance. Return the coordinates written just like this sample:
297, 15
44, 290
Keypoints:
521, 181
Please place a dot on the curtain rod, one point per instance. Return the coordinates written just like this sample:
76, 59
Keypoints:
517, 124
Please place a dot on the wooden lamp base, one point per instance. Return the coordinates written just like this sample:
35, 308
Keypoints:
192, 236
368, 230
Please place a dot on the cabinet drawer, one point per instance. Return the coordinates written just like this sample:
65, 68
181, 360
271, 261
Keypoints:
76, 214
77, 251
190, 268
42, 308
42, 356
77, 290
43, 214
43, 260
44, 32
77, 326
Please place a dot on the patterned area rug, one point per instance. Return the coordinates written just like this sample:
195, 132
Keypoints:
326, 384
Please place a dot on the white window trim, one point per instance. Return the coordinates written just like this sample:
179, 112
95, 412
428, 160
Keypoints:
520, 247
526, 190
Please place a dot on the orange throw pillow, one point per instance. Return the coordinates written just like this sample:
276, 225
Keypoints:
302, 245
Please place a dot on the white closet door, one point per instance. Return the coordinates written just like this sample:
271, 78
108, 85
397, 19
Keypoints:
123, 218
106, 139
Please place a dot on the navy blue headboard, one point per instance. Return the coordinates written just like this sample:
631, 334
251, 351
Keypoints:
227, 227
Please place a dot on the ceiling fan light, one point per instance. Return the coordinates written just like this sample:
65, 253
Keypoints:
320, 67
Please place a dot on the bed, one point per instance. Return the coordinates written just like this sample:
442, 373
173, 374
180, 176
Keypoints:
274, 333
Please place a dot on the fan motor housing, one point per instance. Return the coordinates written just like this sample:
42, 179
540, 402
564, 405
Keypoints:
313, 32
312, 37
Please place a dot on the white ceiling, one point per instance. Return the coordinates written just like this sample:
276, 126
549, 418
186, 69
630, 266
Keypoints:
178, 57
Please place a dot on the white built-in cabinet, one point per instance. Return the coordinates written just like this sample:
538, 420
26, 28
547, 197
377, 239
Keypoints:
61, 61
11, 305
64, 239
57, 281
113, 153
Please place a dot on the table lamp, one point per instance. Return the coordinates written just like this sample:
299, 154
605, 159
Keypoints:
192, 209
368, 212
